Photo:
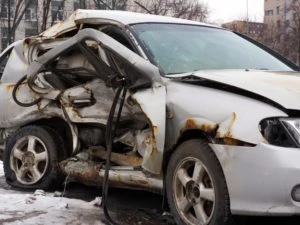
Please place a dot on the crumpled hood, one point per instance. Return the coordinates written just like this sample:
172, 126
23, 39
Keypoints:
280, 87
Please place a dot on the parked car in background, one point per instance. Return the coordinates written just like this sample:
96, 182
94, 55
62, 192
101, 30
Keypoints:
195, 112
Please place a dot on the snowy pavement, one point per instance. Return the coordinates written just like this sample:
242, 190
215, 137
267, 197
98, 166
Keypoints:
19, 208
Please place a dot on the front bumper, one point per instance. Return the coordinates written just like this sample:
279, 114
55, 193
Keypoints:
260, 179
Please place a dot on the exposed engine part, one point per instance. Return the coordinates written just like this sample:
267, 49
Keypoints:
139, 140
91, 135
14, 95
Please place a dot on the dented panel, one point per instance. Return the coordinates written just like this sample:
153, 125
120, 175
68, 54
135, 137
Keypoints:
108, 17
153, 103
239, 118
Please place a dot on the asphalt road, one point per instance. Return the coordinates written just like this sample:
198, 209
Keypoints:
144, 208
130, 207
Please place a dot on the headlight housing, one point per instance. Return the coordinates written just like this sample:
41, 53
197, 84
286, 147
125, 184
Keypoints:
292, 126
284, 132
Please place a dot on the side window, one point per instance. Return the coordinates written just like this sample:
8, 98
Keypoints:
3, 60
119, 36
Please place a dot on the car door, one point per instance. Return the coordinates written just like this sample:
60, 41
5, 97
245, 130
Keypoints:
110, 65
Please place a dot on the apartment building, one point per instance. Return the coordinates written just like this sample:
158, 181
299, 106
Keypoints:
252, 29
277, 13
31, 21
280, 17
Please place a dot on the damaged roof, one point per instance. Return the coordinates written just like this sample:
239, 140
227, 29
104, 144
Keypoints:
114, 16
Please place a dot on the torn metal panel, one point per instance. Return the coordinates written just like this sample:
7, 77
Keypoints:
239, 118
225, 128
16, 65
61, 27
286, 85
108, 17
101, 101
141, 70
153, 103
14, 115
86, 172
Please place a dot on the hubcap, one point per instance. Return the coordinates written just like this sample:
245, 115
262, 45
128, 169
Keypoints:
29, 159
194, 192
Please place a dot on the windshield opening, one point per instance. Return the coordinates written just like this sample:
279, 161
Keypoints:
178, 48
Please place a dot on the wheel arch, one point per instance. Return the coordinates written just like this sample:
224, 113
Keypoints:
60, 126
185, 136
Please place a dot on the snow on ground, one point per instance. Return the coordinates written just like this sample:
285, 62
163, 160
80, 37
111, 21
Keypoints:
42, 208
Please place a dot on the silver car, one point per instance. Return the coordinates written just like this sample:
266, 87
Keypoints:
205, 116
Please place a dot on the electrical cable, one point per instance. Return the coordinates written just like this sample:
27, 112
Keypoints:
14, 95
110, 133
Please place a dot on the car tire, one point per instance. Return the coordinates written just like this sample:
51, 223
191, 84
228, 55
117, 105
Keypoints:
195, 186
31, 158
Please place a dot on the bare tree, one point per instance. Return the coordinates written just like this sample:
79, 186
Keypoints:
51, 12
57, 13
294, 30
82, 4
14, 12
44, 14
186, 9
271, 37
156, 7
111, 4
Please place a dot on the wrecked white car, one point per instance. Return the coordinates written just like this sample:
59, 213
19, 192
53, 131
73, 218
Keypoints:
195, 112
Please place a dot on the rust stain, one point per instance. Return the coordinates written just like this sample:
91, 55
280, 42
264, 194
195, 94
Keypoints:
155, 129
154, 152
94, 45
119, 179
229, 132
39, 106
75, 111
120, 159
231, 141
191, 124
59, 24
9, 87
87, 172
154, 147
25, 45
232, 121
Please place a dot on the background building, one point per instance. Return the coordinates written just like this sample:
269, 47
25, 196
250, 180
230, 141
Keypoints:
251, 29
26, 19
22, 18
282, 27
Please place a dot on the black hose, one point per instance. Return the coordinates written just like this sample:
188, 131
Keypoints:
109, 135
14, 95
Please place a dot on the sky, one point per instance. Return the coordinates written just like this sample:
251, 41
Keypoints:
222, 11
